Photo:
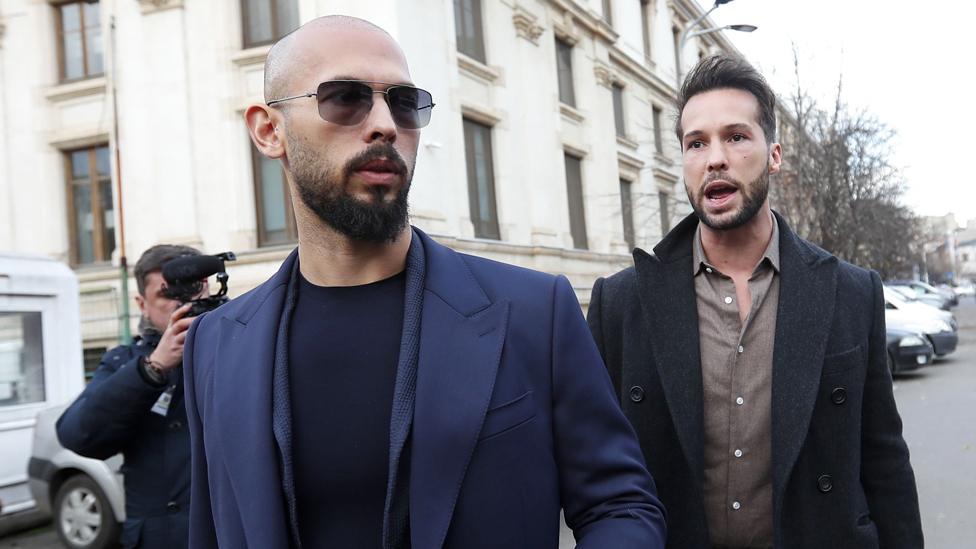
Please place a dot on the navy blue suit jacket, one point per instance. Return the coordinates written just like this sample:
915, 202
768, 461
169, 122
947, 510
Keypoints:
514, 418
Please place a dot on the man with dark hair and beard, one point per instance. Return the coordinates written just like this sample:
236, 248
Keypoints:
381, 390
751, 362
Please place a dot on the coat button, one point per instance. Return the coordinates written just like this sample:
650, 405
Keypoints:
838, 395
825, 483
175, 425
636, 393
172, 507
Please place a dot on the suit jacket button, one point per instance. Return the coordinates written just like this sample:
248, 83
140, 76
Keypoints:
838, 395
636, 393
825, 483
172, 507
175, 425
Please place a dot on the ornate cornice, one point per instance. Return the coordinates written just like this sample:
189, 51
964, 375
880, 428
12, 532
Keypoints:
604, 74
152, 6
526, 26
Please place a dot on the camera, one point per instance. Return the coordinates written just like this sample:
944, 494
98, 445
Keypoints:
185, 276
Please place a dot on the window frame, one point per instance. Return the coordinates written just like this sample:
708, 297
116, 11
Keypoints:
577, 223
627, 212
483, 228
59, 31
567, 93
619, 118
276, 33
98, 229
480, 54
291, 227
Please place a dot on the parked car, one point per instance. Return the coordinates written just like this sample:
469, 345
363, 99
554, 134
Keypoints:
923, 288
85, 497
965, 289
935, 300
938, 326
908, 350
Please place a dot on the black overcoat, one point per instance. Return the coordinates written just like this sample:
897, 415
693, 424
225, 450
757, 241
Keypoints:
841, 472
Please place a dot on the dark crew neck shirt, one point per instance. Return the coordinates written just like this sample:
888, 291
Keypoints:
343, 350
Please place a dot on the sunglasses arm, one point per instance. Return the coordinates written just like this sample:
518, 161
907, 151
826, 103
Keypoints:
273, 101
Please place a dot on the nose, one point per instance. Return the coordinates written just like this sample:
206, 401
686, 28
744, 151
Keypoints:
379, 124
717, 159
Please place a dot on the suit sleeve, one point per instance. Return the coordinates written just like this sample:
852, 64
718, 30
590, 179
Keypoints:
886, 473
607, 494
112, 408
202, 531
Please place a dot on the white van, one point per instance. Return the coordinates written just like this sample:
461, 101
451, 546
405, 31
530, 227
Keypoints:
40, 363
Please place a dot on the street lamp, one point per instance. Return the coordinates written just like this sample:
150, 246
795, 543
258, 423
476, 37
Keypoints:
685, 34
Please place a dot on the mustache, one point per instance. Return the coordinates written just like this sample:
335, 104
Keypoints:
724, 176
377, 152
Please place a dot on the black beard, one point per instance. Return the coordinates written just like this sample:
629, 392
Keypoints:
323, 193
752, 201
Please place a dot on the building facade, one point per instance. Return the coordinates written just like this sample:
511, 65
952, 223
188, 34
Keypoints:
551, 145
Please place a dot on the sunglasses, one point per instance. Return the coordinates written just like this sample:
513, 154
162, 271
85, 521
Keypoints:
348, 102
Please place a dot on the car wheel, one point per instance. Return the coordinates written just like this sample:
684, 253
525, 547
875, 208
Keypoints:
891, 364
83, 517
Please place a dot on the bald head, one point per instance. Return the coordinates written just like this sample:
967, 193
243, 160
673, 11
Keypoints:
296, 51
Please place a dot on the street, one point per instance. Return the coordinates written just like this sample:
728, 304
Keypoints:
937, 405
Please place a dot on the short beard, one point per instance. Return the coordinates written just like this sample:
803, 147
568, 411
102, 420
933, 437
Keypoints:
322, 190
753, 197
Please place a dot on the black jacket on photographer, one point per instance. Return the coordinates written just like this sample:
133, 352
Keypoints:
123, 409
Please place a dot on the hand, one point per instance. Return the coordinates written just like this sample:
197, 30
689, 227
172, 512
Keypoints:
169, 352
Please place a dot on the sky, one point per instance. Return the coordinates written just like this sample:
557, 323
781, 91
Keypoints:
909, 63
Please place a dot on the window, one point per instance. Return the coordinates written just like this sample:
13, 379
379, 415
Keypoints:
663, 199
91, 205
481, 179
92, 357
574, 192
564, 68
468, 29
79, 40
647, 12
627, 212
276, 219
676, 37
608, 12
618, 110
658, 143
265, 21
21, 358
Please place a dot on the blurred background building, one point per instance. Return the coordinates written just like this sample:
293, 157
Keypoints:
551, 145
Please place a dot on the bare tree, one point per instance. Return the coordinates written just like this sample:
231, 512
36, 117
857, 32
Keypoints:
839, 186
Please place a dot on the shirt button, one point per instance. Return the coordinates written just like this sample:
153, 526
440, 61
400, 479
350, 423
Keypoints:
736, 505
738, 453
740, 401
708, 270
728, 300
741, 349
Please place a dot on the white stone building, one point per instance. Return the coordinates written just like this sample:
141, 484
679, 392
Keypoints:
551, 145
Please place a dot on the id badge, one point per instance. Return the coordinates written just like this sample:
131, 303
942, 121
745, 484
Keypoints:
161, 406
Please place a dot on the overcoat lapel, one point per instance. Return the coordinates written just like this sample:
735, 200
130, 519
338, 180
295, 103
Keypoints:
808, 287
667, 296
243, 383
461, 338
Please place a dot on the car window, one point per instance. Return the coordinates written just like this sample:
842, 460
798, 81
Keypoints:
21, 358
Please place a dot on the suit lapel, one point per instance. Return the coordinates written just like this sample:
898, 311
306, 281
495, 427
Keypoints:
461, 337
243, 407
670, 310
806, 306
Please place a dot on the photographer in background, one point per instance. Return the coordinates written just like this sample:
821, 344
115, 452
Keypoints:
134, 405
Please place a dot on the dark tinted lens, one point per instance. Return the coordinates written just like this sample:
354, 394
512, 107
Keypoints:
410, 107
344, 103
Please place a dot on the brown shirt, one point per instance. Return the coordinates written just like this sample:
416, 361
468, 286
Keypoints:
737, 373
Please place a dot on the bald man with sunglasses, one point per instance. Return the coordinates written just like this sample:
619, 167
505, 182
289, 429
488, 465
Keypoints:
381, 390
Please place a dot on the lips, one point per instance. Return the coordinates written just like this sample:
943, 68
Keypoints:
380, 171
719, 192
